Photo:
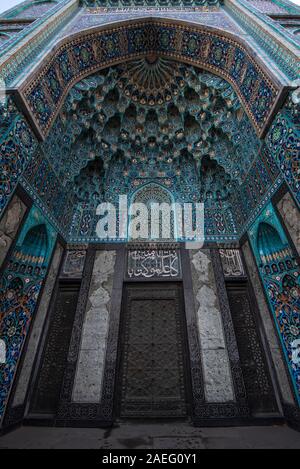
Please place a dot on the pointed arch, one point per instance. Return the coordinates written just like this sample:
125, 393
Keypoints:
220, 52
35, 244
154, 193
269, 243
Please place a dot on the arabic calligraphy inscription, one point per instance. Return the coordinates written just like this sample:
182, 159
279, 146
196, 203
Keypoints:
153, 263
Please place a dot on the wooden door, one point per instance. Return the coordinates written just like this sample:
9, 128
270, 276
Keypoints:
49, 381
153, 362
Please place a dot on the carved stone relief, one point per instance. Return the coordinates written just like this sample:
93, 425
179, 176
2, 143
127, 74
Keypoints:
90, 367
217, 375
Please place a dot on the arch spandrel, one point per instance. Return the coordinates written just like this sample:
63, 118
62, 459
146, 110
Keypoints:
219, 52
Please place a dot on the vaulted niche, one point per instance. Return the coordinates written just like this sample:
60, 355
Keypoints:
216, 183
152, 120
158, 224
31, 255
35, 244
88, 185
269, 244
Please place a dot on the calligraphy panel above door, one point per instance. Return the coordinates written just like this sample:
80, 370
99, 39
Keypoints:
153, 262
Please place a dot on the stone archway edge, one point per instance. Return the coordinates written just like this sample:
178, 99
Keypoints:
219, 52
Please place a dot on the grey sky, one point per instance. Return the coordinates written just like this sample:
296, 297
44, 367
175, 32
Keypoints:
7, 4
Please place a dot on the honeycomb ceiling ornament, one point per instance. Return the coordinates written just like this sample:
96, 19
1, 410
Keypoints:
87, 187
149, 112
151, 81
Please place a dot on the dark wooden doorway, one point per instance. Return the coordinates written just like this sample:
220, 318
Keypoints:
152, 352
47, 388
261, 397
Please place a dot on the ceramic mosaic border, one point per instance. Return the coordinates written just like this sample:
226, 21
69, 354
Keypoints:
111, 45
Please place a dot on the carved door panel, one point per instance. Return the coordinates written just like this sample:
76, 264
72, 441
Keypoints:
48, 385
152, 378
254, 367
